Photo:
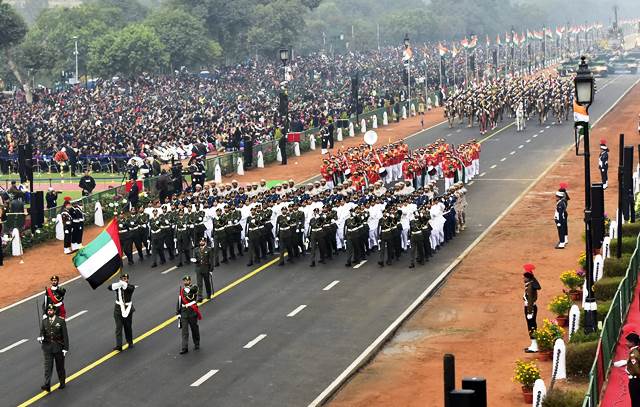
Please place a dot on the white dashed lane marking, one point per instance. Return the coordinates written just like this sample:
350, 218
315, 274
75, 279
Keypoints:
502, 159
76, 315
13, 345
512, 153
204, 378
493, 166
521, 145
256, 340
295, 311
169, 270
331, 285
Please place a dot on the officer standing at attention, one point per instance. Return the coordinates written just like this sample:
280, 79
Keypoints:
531, 287
54, 295
603, 163
560, 219
55, 345
204, 268
188, 314
632, 367
123, 310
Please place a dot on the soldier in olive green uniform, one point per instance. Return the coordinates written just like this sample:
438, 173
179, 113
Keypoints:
316, 237
283, 230
157, 240
298, 230
417, 241
167, 225
183, 237
234, 233
254, 232
387, 228
330, 228
632, 364
220, 237
55, 345
204, 268
197, 222
143, 229
188, 314
126, 236
267, 231
352, 228
425, 218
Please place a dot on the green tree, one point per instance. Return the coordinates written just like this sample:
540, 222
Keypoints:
13, 29
131, 51
276, 24
184, 36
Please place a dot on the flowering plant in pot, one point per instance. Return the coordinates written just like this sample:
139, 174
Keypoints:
546, 337
573, 281
526, 373
560, 305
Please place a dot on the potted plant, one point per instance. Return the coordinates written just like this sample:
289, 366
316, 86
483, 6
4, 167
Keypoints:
573, 281
560, 305
526, 373
546, 337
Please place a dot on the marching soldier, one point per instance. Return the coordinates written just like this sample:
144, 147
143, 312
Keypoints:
254, 234
352, 227
54, 295
220, 237
198, 224
632, 364
188, 314
183, 237
560, 218
67, 224
425, 221
417, 241
55, 345
531, 287
603, 163
204, 268
157, 240
126, 235
123, 310
283, 230
316, 237
387, 227
166, 225
142, 233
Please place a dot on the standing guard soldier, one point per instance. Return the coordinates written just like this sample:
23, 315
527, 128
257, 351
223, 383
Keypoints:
54, 295
67, 224
183, 237
77, 218
188, 314
204, 268
603, 163
531, 287
157, 241
55, 345
560, 218
126, 236
632, 364
123, 310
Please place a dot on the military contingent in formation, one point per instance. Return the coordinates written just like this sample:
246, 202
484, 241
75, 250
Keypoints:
545, 97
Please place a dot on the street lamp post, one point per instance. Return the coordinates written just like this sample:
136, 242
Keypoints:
584, 92
75, 39
407, 44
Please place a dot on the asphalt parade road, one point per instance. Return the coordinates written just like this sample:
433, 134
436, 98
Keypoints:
272, 336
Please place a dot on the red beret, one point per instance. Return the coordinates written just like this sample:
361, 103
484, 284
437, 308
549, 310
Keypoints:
67, 199
529, 268
603, 141
564, 185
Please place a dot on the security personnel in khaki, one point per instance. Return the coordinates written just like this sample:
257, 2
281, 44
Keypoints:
204, 268
55, 345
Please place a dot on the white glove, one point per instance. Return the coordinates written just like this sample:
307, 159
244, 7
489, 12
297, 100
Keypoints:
40, 339
558, 224
620, 363
115, 286
529, 316
44, 316
64, 353
187, 289
193, 260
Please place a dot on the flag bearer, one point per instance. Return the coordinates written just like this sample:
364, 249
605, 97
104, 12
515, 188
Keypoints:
123, 310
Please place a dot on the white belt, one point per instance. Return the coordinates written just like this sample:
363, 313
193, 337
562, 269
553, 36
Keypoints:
58, 304
188, 304
126, 304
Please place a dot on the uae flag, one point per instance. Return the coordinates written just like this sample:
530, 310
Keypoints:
102, 258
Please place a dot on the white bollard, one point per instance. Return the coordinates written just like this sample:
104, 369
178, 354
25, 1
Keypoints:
16, 243
59, 228
404, 112
217, 174
374, 121
539, 393
597, 267
559, 361
98, 218
352, 132
240, 170
312, 141
606, 246
574, 319
385, 118
279, 155
363, 126
260, 160
413, 109
296, 149
584, 294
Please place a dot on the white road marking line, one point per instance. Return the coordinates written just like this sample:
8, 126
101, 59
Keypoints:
512, 153
553, 122
528, 140
458, 131
357, 266
256, 340
541, 131
169, 270
470, 183
448, 135
204, 378
483, 174
521, 145
547, 127
295, 311
13, 345
74, 316
331, 285
493, 166
534, 136
502, 159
